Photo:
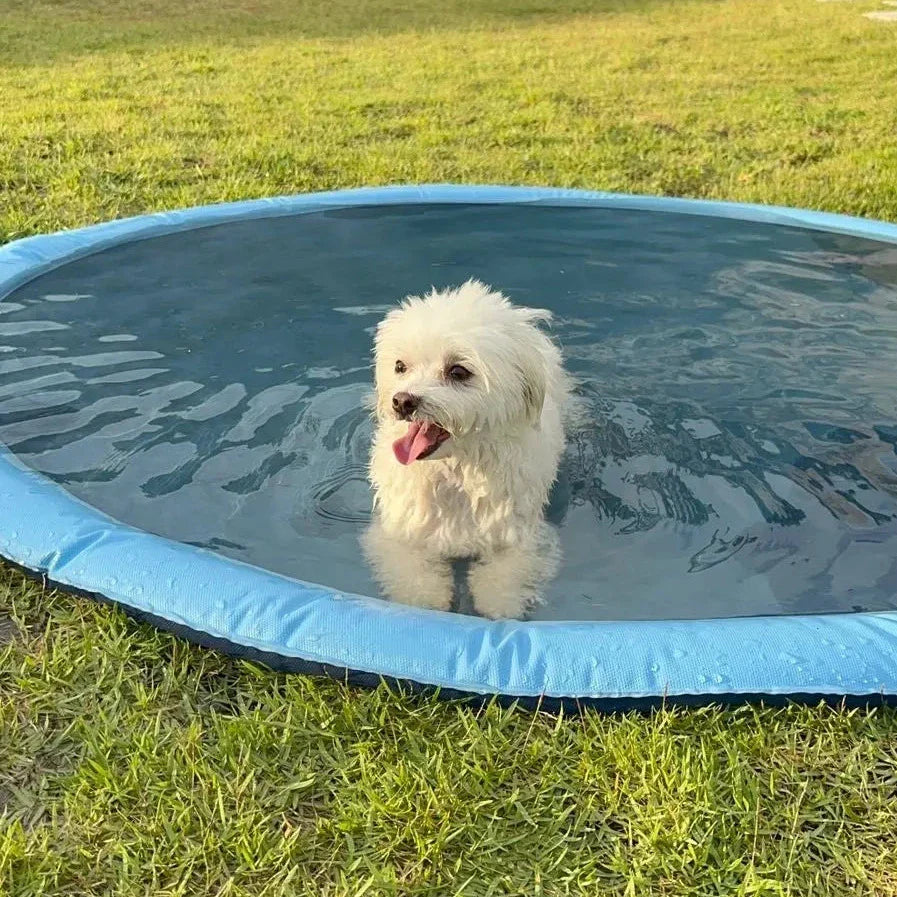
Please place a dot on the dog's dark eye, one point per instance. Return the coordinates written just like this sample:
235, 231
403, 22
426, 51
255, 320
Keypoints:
400, 367
459, 373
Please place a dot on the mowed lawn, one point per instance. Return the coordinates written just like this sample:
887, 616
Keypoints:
134, 764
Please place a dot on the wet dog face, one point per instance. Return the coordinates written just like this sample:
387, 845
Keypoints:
455, 365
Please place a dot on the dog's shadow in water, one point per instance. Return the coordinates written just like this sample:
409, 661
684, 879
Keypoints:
462, 600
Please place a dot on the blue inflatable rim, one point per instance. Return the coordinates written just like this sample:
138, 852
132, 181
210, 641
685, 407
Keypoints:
299, 625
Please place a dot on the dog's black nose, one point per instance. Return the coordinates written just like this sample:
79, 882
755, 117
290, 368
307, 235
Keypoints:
404, 404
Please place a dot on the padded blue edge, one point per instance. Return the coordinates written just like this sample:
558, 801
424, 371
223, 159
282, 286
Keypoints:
46, 530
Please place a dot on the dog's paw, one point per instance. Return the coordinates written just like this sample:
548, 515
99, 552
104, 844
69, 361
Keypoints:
433, 592
405, 573
498, 593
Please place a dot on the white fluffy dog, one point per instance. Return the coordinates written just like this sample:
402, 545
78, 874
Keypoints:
470, 405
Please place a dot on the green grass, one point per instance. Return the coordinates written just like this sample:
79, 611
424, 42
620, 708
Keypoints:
133, 764
114, 108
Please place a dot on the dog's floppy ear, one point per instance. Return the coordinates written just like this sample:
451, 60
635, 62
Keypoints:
381, 399
531, 363
375, 402
532, 380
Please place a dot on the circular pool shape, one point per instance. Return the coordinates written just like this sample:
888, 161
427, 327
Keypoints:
182, 405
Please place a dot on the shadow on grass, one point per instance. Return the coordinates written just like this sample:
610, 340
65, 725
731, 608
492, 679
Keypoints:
38, 33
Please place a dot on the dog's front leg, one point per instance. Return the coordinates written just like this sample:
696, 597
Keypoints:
506, 583
406, 572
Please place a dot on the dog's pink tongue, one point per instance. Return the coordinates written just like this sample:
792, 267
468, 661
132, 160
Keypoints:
420, 436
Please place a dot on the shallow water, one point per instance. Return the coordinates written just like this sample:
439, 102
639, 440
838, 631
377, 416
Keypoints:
737, 454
